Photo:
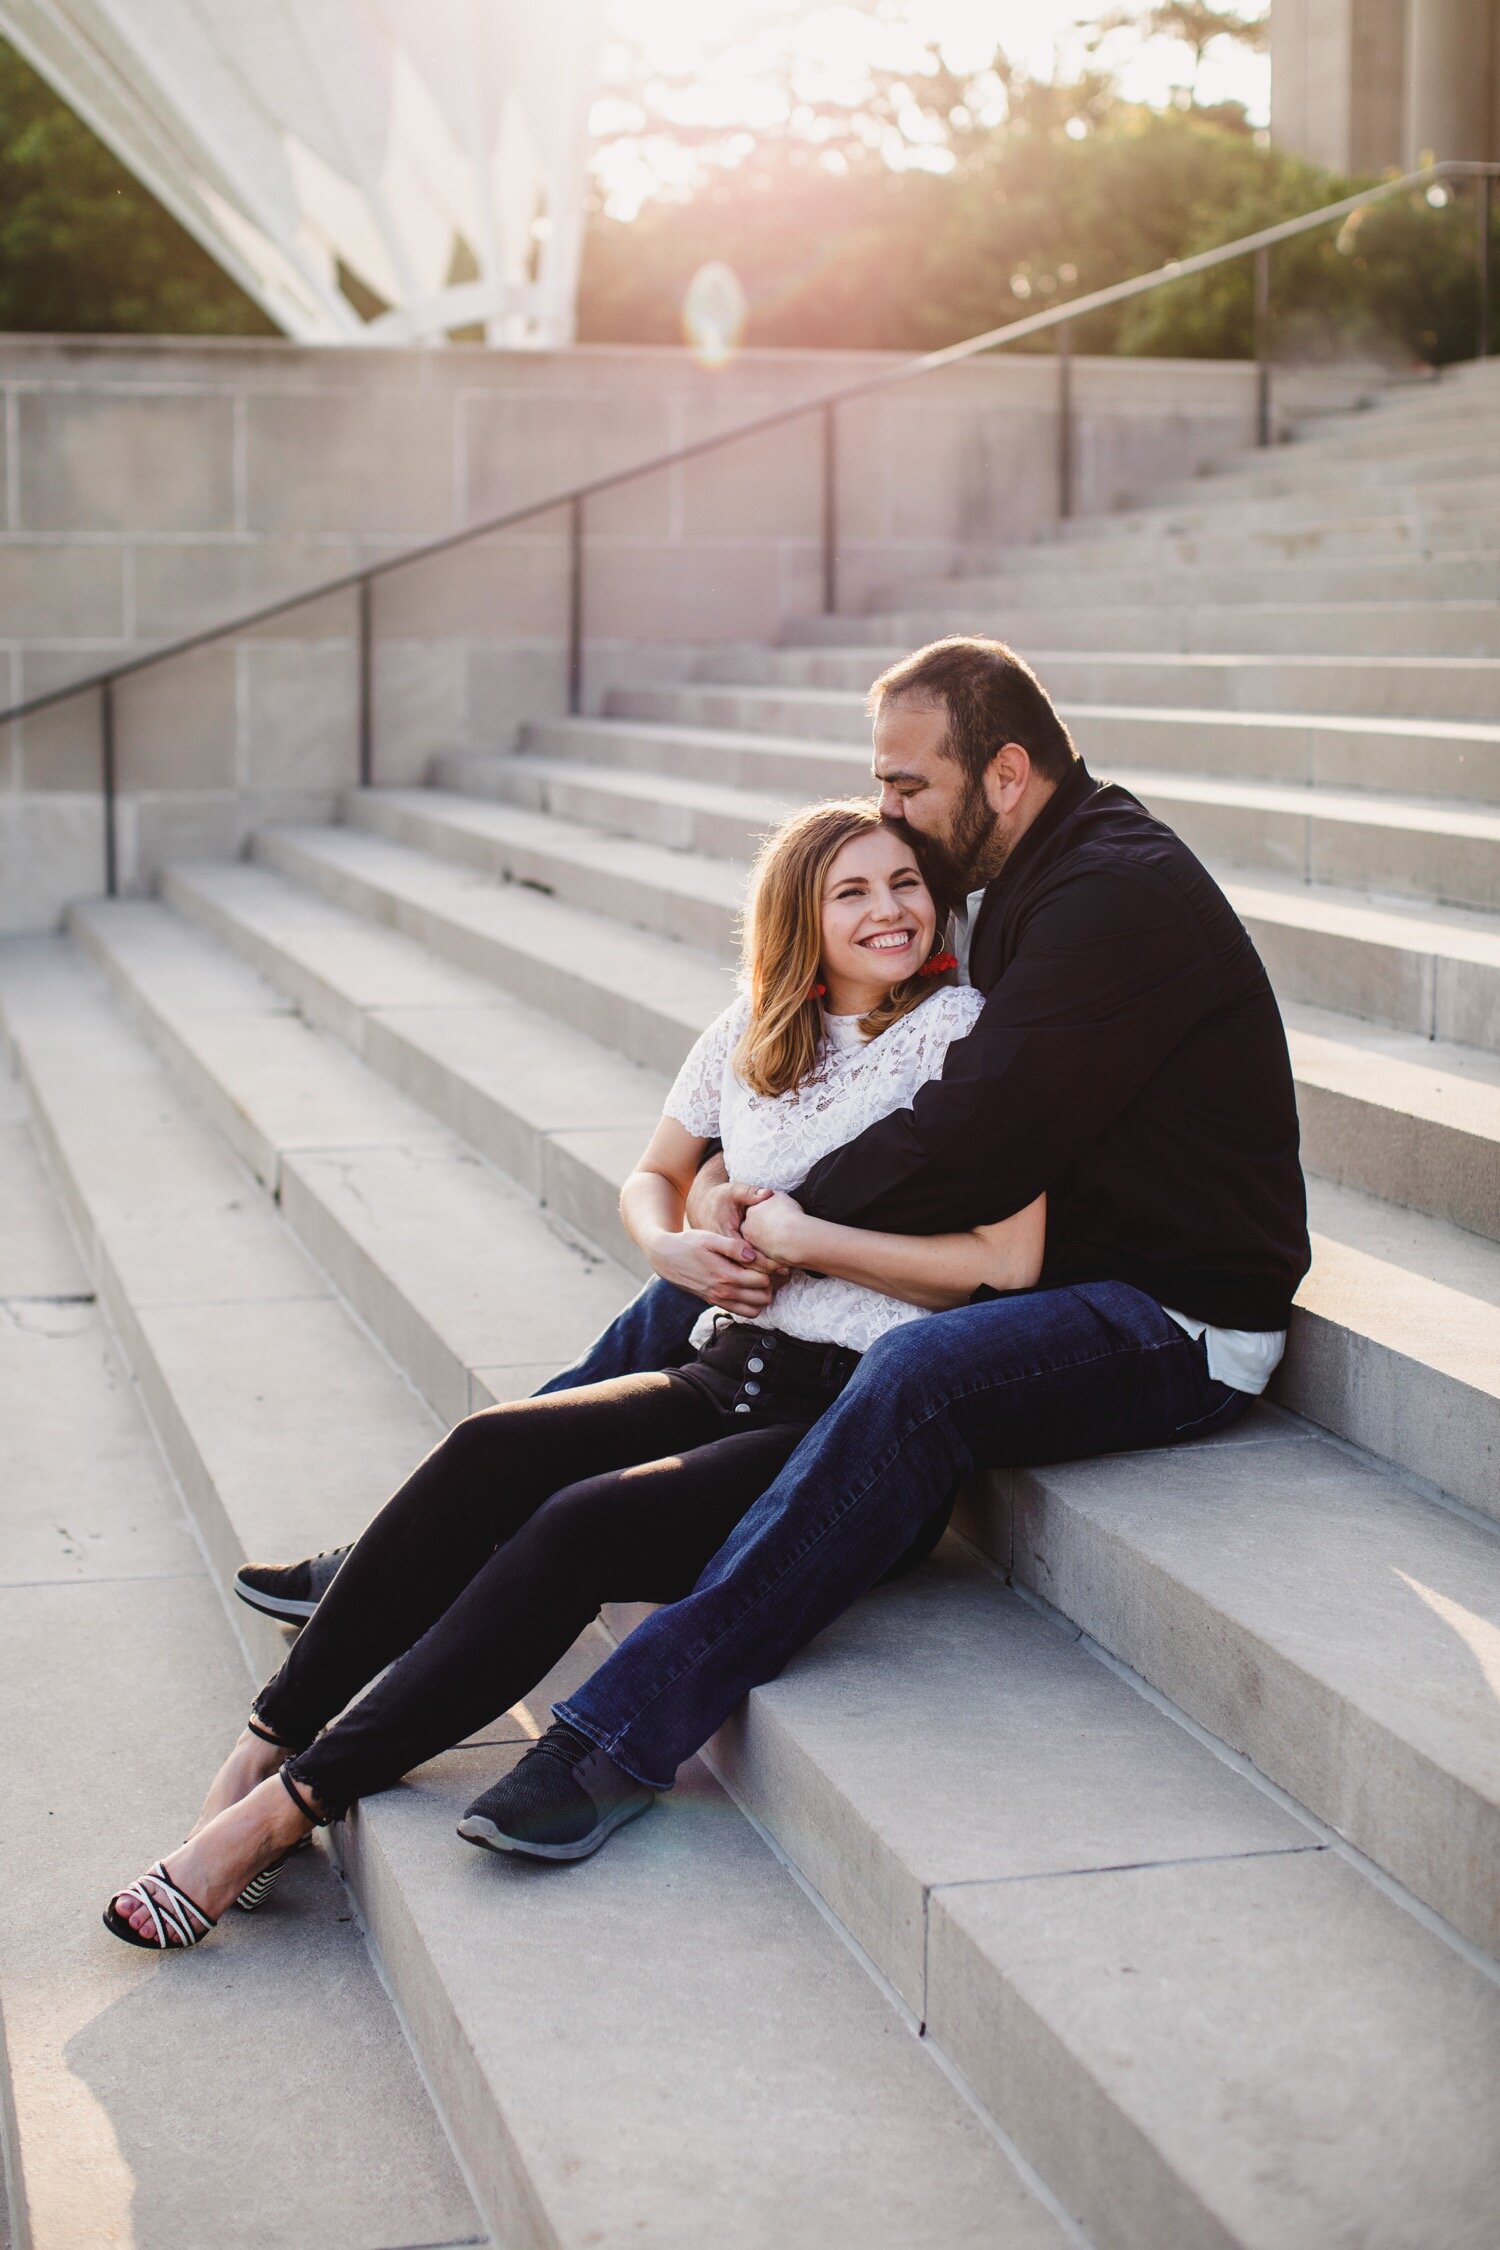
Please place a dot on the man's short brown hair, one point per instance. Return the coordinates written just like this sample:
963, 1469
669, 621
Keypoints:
991, 696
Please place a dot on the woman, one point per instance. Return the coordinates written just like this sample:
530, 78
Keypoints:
487, 1564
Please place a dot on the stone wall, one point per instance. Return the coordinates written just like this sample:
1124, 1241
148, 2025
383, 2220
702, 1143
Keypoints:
150, 488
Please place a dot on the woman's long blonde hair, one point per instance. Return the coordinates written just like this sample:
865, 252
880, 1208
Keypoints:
783, 941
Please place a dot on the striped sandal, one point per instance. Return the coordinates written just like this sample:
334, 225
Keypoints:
254, 1893
259, 1886
177, 1921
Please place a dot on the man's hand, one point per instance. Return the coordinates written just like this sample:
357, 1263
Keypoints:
722, 1269
778, 1226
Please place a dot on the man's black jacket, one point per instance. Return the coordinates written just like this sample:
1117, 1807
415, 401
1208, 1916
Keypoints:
1130, 1060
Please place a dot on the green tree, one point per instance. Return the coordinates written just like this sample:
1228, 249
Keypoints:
83, 246
1072, 192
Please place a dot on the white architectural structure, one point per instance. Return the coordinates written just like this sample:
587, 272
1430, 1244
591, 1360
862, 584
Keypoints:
430, 153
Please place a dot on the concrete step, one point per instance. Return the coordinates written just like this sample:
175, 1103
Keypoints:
1421, 968
641, 994
679, 894
1271, 627
109, 1613
872, 1790
1416, 967
1414, 1121
1397, 1331
389, 1203
1402, 687
1425, 969
563, 1114
1222, 541
1137, 2140
1410, 498
1421, 757
729, 2071
1289, 1577
636, 779
1434, 578
675, 810
1361, 457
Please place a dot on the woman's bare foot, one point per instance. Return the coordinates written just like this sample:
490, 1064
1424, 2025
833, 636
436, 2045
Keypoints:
218, 1860
249, 1763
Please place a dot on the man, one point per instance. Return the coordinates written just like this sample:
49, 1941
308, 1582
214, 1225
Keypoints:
1131, 1062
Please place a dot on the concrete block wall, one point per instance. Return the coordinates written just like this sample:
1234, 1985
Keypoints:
149, 488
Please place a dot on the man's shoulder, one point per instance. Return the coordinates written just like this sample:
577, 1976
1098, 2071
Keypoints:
1114, 850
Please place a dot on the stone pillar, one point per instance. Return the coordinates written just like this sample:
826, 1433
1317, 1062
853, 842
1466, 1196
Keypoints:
1337, 77
1450, 74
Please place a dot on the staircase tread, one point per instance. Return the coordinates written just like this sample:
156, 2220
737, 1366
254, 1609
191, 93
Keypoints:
1337, 1046
1362, 807
1319, 1574
107, 1611
624, 781
1173, 714
681, 982
1430, 1076
1463, 1267
1388, 1513
358, 1166
1454, 1274
589, 847
734, 2004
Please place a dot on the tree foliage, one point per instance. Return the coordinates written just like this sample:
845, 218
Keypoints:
936, 205
1074, 192
84, 248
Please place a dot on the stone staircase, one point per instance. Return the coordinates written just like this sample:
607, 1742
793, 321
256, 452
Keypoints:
1129, 1875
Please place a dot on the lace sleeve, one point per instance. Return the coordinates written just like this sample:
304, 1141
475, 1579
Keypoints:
949, 1015
698, 1089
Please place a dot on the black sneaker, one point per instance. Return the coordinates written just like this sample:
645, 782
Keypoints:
291, 1591
559, 1802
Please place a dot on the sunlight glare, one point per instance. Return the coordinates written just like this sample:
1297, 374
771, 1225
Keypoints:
713, 314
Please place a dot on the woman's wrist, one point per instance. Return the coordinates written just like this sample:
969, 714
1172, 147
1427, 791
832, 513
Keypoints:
658, 1241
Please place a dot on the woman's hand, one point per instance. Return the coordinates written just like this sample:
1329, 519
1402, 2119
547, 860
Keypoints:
779, 1228
716, 1267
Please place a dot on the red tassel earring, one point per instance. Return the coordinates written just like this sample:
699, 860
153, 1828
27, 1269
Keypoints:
817, 992
937, 963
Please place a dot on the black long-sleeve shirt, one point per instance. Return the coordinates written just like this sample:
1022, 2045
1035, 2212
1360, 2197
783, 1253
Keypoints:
1130, 1060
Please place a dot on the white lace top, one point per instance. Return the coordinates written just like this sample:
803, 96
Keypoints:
773, 1140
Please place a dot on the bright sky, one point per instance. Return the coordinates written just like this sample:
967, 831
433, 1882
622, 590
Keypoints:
832, 44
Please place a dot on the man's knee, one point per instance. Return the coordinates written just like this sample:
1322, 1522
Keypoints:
900, 1372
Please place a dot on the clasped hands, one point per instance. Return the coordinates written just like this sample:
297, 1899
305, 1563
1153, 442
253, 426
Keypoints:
738, 1246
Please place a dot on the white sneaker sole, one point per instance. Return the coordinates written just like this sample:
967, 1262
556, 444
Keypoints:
274, 1605
477, 1828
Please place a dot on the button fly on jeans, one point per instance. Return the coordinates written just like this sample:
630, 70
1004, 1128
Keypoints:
755, 1365
742, 1409
752, 1390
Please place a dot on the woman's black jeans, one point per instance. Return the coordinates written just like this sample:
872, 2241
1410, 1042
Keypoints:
483, 1569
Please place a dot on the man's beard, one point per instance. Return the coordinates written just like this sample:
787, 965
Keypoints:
971, 855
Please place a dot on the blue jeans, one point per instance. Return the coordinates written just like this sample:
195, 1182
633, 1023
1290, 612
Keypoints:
1051, 1376
651, 1333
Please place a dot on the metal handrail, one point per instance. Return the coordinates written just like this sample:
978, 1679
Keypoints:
1059, 317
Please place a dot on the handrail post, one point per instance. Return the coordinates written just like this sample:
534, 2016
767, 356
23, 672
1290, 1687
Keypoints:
830, 512
1263, 346
1065, 421
366, 682
1483, 191
107, 769
575, 605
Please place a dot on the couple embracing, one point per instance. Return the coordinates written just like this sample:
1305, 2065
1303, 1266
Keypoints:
913, 1211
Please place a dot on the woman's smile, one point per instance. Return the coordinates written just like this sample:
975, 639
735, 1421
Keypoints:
888, 941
